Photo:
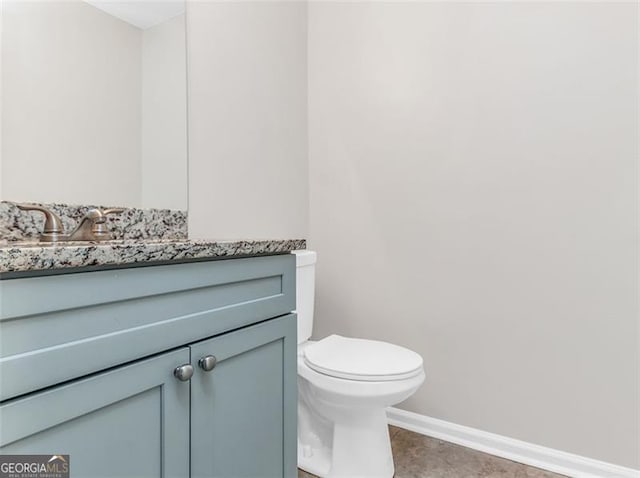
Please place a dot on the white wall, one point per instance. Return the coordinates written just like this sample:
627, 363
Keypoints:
247, 119
70, 85
164, 115
473, 197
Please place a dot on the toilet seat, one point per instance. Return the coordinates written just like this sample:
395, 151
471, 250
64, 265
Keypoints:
361, 359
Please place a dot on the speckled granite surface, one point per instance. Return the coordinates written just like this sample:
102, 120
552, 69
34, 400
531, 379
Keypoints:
21, 257
140, 236
17, 225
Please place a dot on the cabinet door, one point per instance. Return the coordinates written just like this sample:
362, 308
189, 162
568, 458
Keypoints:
132, 421
244, 411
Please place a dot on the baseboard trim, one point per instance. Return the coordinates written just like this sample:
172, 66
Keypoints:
534, 455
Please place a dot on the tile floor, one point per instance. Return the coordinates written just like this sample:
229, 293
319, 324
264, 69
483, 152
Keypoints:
418, 456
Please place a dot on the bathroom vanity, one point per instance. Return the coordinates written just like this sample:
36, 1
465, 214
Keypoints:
173, 369
123, 344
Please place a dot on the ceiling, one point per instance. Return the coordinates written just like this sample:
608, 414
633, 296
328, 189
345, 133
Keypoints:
141, 13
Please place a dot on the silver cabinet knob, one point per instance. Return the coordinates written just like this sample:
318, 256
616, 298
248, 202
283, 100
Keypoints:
207, 363
183, 372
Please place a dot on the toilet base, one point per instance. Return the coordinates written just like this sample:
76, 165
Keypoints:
360, 448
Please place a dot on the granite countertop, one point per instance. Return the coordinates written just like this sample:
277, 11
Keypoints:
142, 237
27, 256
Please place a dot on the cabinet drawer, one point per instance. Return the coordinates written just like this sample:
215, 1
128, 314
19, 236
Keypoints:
57, 328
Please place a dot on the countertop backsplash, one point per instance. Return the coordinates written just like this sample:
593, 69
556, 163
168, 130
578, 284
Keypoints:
132, 224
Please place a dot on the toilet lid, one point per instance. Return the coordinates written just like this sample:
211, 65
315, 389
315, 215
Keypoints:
360, 359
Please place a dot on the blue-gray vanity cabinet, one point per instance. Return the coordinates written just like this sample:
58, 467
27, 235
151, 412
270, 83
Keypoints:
87, 366
132, 421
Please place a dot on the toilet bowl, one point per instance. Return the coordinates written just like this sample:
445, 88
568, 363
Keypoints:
344, 386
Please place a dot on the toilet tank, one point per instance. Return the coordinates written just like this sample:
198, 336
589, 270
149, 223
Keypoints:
305, 292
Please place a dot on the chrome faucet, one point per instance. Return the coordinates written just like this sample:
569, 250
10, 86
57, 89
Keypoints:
90, 228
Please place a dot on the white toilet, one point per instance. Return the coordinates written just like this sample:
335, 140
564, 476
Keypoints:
344, 387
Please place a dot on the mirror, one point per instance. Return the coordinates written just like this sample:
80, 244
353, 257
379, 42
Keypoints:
94, 103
